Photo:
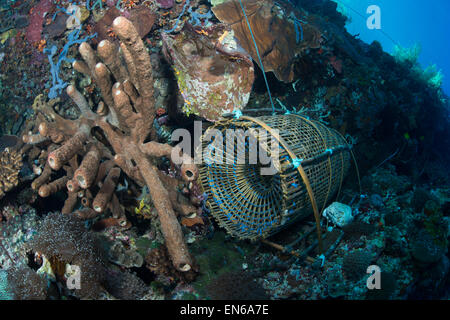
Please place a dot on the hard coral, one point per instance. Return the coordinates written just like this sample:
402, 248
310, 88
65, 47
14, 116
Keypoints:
10, 165
124, 119
125, 285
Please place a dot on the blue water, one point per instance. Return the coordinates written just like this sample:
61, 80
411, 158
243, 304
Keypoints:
407, 22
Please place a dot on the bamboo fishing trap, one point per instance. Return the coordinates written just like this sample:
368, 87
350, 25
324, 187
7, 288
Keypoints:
313, 161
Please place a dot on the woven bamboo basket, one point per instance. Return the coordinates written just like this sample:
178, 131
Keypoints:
313, 161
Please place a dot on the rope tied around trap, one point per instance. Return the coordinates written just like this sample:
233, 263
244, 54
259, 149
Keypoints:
312, 163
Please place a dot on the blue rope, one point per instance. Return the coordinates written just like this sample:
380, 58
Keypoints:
296, 162
298, 25
179, 17
322, 258
259, 57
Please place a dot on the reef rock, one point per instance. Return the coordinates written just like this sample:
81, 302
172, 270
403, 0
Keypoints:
165, 4
214, 75
36, 18
338, 214
127, 258
281, 33
141, 16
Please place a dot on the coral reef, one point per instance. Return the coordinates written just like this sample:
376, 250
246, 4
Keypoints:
336, 283
214, 77
158, 261
10, 166
34, 29
133, 217
388, 286
279, 30
425, 249
356, 229
125, 285
127, 258
355, 264
125, 118
5, 293
238, 285
18, 225
26, 284
142, 17
63, 240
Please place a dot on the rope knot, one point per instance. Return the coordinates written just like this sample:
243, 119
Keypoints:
297, 162
237, 113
